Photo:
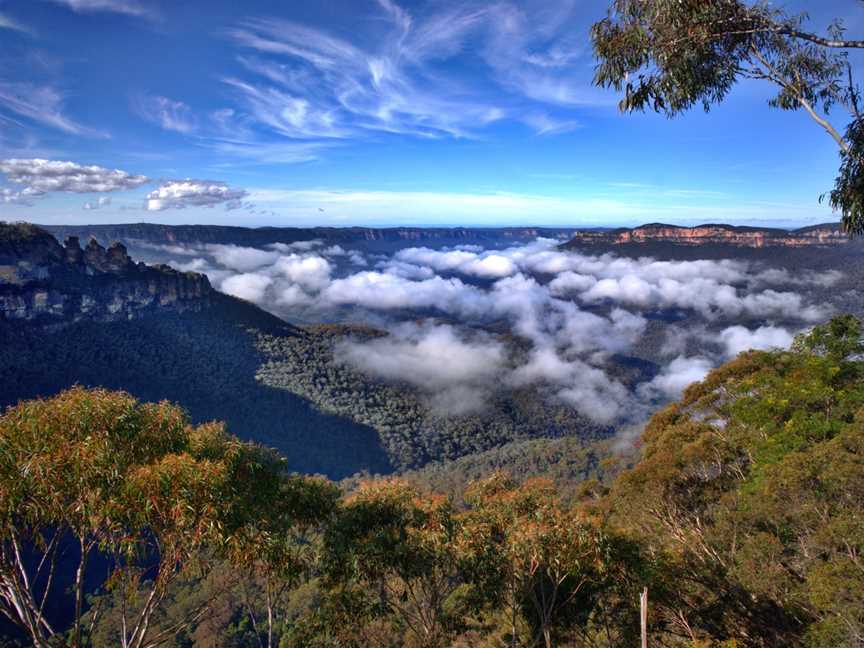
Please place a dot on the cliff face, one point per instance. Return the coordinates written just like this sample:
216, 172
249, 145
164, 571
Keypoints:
195, 234
44, 282
827, 234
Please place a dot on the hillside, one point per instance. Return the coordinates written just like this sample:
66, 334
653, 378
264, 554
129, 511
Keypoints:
163, 334
741, 516
42, 281
94, 317
412, 431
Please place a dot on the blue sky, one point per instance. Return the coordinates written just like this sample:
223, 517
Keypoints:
369, 112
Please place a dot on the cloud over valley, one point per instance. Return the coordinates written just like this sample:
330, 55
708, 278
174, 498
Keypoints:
609, 336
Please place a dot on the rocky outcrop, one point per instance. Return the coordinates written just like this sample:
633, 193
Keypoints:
753, 237
44, 282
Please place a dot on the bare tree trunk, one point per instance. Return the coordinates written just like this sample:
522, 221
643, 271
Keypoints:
79, 590
269, 614
643, 617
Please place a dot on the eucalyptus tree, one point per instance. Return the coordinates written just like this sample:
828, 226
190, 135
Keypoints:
278, 545
96, 473
543, 563
671, 55
402, 548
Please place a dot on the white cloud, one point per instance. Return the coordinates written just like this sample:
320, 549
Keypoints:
179, 194
304, 246
43, 104
22, 197
457, 373
244, 259
579, 384
55, 175
548, 300
250, 286
128, 7
167, 113
308, 272
357, 259
485, 265
671, 382
570, 282
102, 201
382, 291
736, 339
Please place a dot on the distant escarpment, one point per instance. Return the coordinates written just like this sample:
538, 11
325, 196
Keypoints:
752, 237
42, 281
157, 234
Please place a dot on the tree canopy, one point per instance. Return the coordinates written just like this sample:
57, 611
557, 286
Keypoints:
122, 524
671, 55
135, 485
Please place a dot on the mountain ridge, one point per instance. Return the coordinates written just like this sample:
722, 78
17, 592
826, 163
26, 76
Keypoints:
715, 233
155, 233
709, 233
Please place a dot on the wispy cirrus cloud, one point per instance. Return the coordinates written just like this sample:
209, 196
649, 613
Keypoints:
412, 76
6, 22
127, 7
535, 50
44, 104
166, 113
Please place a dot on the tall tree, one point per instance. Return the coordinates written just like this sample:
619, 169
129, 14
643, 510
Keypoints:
670, 55
543, 562
278, 545
391, 541
136, 483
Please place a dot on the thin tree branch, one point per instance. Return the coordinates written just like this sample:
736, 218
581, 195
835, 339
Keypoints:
824, 123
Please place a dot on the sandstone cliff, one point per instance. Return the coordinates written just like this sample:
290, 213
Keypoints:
754, 237
44, 282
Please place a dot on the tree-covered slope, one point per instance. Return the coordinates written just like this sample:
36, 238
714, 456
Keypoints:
742, 516
205, 361
750, 493
412, 430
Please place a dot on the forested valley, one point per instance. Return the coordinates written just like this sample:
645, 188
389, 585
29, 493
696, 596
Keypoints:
742, 518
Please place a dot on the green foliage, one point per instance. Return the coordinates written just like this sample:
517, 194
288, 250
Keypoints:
207, 362
847, 197
750, 488
412, 432
388, 539
669, 55
571, 463
134, 483
744, 517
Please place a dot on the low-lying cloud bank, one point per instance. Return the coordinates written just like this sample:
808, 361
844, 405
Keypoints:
570, 314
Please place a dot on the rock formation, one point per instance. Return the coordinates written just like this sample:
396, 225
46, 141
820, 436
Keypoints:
44, 282
754, 237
